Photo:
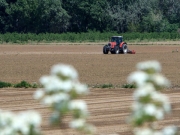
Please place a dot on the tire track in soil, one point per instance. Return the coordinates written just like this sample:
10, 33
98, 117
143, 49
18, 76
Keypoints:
109, 109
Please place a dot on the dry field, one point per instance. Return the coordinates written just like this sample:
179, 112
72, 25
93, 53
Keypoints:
109, 108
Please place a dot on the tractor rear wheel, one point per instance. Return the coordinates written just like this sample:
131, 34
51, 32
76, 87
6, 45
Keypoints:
105, 49
124, 48
116, 50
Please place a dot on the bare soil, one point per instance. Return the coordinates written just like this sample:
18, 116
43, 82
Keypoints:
109, 108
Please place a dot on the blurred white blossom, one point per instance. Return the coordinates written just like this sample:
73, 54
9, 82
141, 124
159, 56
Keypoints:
80, 88
63, 70
149, 65
160, 80
78, 105
77, 123
59, 97
143, 131
60, 92
139, 78
39, 94
23, 123
170, 130
143, 91
54, 84
150, 109
150, 105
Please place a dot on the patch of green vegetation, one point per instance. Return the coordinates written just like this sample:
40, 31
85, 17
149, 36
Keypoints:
23, 84
102, 86
107, 86
35, 85
91, 36
113, 86
128, 86
5, 84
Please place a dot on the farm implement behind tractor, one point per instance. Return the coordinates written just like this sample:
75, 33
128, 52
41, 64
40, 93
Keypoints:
117, 46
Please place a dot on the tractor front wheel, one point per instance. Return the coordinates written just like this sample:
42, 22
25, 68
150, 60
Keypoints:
116, 50
105, 49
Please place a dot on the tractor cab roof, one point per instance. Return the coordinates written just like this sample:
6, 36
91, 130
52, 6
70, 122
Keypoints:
117, 36
117, 39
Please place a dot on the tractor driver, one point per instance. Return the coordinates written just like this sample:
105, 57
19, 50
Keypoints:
118, 40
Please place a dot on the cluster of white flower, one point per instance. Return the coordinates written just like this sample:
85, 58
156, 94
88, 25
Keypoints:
60, 92
23, 123
150, 105
169, 130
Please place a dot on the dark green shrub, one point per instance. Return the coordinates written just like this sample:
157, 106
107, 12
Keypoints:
35, 85
102, 86
128, 86
107, 86
5, 84
23, 84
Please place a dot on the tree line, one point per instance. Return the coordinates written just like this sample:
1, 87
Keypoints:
60, 16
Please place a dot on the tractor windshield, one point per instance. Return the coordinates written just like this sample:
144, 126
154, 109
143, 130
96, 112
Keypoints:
116, 39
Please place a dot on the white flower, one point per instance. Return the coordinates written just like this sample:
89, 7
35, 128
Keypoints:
64, 70
77, 123
51, 83
155, 65
54, 84
78, 105
6, 118
157, 133
61, 88
160, 80
20, 124
7, 131
150, 109
80, 88
24, 120
159, 114
55, 98
67, 86
138, 77
143, 131
47, 100
137, 106
158, 97
33, 118
60, 97
45, 79
39, 94
144, 91
170, 130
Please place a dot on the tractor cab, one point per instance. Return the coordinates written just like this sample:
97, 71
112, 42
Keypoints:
117, 39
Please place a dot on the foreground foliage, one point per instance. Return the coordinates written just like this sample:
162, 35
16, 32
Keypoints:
61, 92
150, 105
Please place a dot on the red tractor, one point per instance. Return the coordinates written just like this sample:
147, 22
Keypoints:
117, 46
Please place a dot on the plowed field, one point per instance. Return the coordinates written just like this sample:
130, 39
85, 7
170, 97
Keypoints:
109, 108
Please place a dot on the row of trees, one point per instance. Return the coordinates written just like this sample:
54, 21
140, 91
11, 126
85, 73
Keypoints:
58, 16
